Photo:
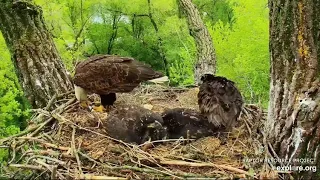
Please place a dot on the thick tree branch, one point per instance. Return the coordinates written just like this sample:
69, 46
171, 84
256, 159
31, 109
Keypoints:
206, 58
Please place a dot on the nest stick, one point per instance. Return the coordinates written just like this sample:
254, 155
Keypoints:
162, 172
26, 166
165, 140
48, 158
75, 152
63, 119
49, 167
40, 127
48, 137
43, 164
46, 144
193, 164
93, 177
61, 108
64, 94
20, 134
248, 127
54, 172
13, 146
144, 170
50, 103
274, 153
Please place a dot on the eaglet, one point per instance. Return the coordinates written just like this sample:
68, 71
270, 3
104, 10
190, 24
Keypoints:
134, 124
219, 101
186, 123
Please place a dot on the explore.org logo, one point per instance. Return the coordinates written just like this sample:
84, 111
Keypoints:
301, 164
295, 168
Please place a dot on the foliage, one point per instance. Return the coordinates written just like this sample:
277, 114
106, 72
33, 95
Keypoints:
214, 11
243, 50
12, 104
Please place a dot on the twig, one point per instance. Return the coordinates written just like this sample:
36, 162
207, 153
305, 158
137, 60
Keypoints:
144, 170
71, 107
193, 164
54, 172
165, 140
157, 170
48, 137
48, 158
41, 112
248, 127
48, 152
43, 164
50, 168
75, 152
26, 166
20, 134
63, 119
245, 111
64, 106
45, 143
13, 147
274, 153
50, 103
40, 127
93, 177
40, 174
64, 94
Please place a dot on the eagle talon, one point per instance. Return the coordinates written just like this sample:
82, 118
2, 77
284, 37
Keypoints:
109, 107
97, 107
99, 122
84, 105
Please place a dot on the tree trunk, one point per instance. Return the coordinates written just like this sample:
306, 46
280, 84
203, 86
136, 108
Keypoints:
37, 62
206, 58
293, 123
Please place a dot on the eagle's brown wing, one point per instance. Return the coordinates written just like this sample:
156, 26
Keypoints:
187, 123
103, 74
130, 123
220, 101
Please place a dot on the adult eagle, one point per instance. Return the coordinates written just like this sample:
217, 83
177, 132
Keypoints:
108, 74
219, 100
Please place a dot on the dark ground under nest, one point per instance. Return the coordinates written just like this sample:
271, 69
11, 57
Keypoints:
66, 143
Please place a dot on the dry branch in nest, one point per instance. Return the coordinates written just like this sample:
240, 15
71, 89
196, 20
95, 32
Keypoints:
65, 142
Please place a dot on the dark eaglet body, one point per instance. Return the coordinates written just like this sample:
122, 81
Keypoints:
219, 101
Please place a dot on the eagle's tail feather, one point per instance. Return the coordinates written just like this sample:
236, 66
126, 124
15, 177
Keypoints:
215, 119
160, 80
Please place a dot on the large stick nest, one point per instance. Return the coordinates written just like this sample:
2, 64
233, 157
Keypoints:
66, 143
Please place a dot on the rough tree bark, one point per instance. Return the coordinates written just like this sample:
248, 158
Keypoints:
206, 58
293, 124
37, 62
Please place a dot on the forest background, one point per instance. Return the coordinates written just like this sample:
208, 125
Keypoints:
152, 31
